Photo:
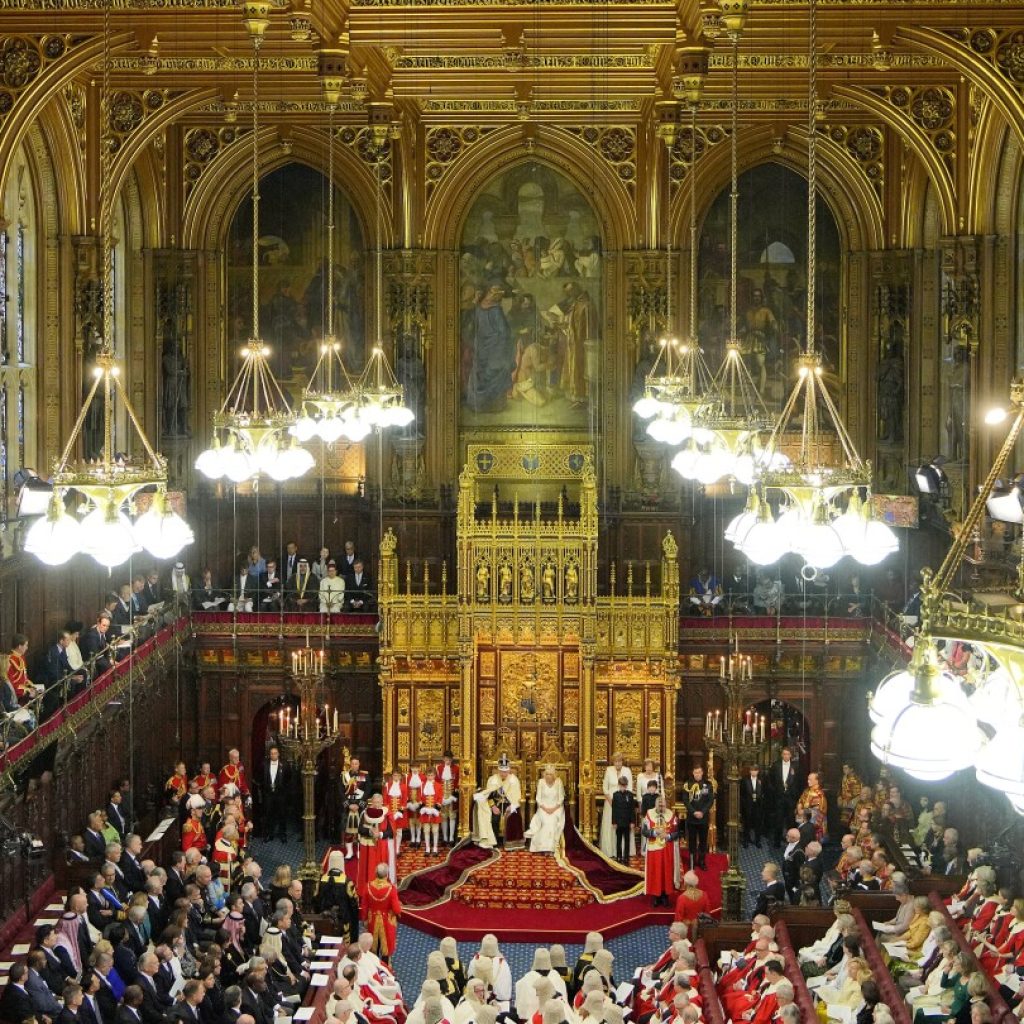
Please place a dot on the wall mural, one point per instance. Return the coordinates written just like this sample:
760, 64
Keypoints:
772, 278
293, 275
530, 301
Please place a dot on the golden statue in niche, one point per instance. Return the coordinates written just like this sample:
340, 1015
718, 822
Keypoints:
504, 582
547, 582
526, 587
483, 582
572, 584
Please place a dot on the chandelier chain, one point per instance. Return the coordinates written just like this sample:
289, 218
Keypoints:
734, 191
106, 198
693, 221
330, 225
812, 171
255, 188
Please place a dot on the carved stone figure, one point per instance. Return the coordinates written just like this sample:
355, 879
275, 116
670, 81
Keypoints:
504, 582
572, 583
412, 375
891, 392
176, 399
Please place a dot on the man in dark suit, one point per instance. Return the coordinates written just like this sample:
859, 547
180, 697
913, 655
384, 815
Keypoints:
254, 987
57, 668
106, 1001
274, 793
752, 806
16, 1004
174, 888
115, 815
252, 912
785, 791
153, 589
187, 1011
814, 862
131, 868
793, 857
140, 604
58, 968
122, 613
95, 844
359, 589
78, 906
43, 999
774, 890
806, 829
130, 1010
290, 561
95, 644
90, 1012
232, 1004
73, 999
155, 1005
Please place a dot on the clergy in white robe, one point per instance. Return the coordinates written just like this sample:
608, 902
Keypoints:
528, 996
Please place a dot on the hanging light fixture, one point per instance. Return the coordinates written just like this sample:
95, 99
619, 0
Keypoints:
930, 737
108, 482
380, 397
827, 468
931, 729
680, 381
725, 435
330, 403
251, 430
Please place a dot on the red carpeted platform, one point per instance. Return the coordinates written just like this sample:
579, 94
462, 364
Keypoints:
517, 894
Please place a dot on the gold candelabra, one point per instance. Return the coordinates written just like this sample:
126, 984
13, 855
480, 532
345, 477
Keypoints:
304, 738
735, 735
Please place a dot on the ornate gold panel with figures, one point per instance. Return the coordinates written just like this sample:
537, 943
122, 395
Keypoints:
540, 658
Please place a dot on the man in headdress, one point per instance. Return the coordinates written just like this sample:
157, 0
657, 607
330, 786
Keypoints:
336, 895
498, 818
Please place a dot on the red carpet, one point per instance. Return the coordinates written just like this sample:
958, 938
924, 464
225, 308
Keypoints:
517, 894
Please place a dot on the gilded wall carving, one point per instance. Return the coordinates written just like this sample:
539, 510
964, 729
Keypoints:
202, 146
866, 144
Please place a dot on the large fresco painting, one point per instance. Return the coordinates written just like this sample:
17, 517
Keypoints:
772, 278
293, 276
531, 302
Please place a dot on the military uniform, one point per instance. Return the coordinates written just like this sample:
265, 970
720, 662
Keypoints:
697, 797
354, 786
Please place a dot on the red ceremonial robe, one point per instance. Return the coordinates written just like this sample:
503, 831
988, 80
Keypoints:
381, 909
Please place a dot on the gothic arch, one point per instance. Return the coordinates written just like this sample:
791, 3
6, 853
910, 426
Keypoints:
916, 140
552, 147
841, 184
995, 172
974, 67
212, 204
50, 82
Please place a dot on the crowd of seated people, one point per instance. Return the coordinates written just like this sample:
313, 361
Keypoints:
293, 583
78, 654
782, 590
204, 939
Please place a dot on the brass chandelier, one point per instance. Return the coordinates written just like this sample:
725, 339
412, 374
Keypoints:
251, 430
108, 482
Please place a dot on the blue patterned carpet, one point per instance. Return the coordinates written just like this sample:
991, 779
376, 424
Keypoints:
631, 951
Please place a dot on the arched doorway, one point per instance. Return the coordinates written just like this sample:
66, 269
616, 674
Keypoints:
787, 727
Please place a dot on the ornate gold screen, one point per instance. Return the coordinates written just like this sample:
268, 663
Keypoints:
525, 655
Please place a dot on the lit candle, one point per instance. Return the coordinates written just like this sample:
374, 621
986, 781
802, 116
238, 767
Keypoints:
721, 663
335, 721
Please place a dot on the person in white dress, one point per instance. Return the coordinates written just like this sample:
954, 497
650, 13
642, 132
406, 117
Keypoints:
548, 821
616, 770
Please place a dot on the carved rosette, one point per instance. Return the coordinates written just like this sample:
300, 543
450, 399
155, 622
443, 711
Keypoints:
444, 146
22, 58
616, 145
865, 143
202, 146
